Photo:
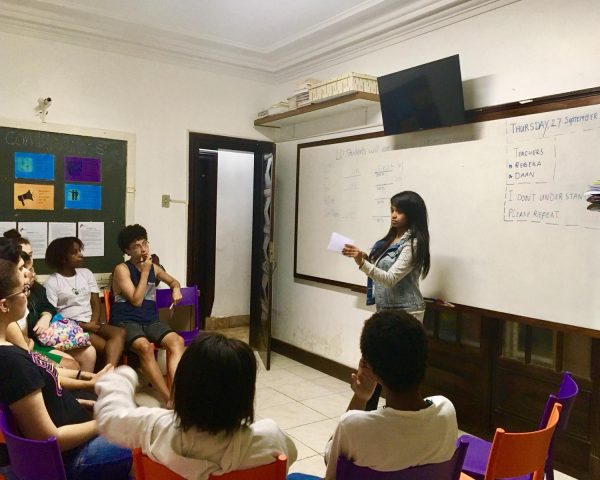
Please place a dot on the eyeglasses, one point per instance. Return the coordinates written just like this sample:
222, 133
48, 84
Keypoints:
25, 291
139, 246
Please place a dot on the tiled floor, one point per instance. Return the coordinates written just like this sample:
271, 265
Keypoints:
305, 403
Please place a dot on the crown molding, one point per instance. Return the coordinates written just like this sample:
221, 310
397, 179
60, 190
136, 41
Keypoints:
370, 26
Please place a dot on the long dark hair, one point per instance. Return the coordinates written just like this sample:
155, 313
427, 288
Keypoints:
412, 205
215, 384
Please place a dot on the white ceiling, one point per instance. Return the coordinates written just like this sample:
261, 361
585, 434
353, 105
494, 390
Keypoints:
271, 40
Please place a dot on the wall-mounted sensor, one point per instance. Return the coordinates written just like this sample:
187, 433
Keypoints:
42, 108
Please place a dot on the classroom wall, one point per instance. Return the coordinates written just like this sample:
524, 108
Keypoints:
528, 49
157, 102
233, 256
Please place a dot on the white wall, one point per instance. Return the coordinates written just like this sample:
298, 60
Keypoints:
233, 256
528, 49
157, 102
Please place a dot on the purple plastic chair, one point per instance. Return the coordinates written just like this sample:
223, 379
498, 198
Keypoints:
479, 450
449, 470
346, 470
31, 459
189, 297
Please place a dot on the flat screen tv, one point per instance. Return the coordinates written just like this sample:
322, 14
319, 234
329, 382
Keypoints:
423, 97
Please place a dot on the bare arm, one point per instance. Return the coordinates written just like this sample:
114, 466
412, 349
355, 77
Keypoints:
123, 285
170, 281
35, 423
95, 304
78, 380
15, 336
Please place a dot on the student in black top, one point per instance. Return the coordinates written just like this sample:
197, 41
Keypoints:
30, 389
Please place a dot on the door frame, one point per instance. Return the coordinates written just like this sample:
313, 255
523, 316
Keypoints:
260, 332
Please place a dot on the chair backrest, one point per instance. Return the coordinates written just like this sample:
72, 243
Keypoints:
519, 454
31, 459
148, 469
189, 297
449, 470
566, 396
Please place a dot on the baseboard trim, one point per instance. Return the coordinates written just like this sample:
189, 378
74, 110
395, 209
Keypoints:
334, 369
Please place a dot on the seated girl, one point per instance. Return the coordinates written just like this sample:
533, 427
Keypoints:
40, 312
74, 292
212, 428
41, 408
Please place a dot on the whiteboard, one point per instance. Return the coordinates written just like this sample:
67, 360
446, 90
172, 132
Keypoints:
510, 230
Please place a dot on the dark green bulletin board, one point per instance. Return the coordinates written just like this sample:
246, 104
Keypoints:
112, 154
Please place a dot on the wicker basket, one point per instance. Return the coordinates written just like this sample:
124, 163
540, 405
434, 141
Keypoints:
343, 85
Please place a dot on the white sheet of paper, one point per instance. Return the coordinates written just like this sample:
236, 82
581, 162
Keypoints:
61, 229
337, 242
5, 226
37, 234
92, 236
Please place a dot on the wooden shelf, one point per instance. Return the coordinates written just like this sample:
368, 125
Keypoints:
336, 105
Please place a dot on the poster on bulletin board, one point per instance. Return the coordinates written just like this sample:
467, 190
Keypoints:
55, 184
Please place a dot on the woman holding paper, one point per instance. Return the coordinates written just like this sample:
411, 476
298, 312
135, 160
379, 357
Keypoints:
398, 260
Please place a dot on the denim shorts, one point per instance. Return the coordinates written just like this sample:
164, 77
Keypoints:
154, 331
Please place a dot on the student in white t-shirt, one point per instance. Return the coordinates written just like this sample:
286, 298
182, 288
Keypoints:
409, 430
74, 292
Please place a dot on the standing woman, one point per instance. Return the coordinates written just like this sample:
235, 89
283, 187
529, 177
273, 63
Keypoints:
398, 260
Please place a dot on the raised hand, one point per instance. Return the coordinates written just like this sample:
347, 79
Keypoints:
363, 381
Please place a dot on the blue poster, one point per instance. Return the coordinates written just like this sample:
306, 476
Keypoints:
83, 197
37, 166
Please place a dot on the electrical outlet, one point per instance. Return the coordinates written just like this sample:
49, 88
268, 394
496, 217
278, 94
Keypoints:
166, 201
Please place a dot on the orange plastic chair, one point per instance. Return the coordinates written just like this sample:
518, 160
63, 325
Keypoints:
518, 454
106, 294
148, 469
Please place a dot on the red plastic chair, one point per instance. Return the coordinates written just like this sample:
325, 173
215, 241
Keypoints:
516, 454
479, 449
148, 469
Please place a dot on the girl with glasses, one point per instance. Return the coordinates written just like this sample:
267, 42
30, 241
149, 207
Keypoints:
30, 390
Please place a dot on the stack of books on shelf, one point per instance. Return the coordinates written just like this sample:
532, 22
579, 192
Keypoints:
593, 196
279, 107
301, 96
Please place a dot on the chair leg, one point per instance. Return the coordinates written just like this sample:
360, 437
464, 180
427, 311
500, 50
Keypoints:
549, 470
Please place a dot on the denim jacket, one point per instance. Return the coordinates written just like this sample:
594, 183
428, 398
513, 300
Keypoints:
404, 295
